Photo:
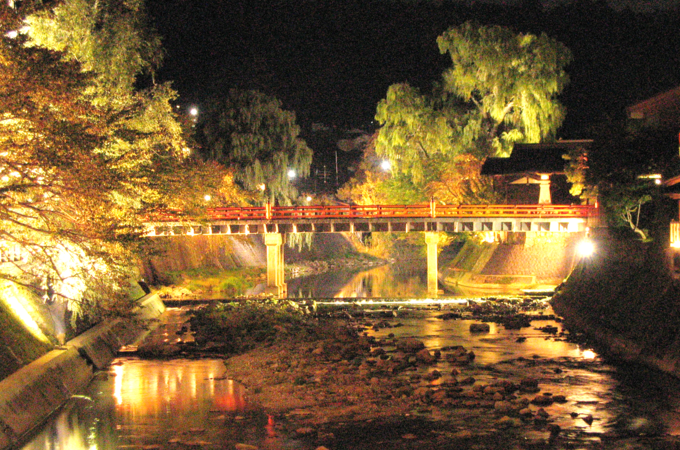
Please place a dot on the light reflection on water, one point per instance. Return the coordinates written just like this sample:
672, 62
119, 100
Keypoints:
166, 404
147, 403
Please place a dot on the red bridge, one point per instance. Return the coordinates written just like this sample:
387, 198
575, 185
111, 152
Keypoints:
275, 221
340, 218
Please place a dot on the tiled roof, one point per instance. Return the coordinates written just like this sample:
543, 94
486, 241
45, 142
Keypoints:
533, 158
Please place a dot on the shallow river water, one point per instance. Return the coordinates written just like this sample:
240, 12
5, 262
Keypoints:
181, 404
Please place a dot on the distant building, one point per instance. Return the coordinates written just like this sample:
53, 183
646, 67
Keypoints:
534, 173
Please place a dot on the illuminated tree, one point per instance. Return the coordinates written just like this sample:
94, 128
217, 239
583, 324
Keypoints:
248, 132
84, 156
56, 194
512, 80
501, 89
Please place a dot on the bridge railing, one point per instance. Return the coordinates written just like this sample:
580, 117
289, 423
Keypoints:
431, 210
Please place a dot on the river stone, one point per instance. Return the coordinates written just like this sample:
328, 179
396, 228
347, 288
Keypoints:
508, 422
425, 357
503, 407
245, 447
479, 328
543, 400
410, 345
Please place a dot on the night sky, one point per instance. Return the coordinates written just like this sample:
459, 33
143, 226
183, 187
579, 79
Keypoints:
331, 61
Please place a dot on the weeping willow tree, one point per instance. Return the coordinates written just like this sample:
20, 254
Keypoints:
502, 88
248, 132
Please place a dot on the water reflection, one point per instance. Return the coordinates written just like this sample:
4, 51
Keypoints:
149, 403
404, 280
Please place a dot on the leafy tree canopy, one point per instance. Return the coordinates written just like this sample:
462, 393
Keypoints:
501, 89
84, 156
621, 163
248, 132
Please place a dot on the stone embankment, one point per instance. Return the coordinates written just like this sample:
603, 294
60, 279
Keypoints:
522, 261
35, 391
625, 299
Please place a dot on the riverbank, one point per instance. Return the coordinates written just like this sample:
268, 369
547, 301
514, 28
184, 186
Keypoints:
34, 392
625, 299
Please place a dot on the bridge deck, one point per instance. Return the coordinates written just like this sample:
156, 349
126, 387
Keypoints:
352, 218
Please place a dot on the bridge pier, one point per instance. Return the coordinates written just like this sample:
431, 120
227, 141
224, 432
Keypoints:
276, 283
432, 241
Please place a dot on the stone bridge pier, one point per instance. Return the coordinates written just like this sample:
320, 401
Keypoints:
276, 284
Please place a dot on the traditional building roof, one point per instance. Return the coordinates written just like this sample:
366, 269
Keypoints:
662, 110
545, 158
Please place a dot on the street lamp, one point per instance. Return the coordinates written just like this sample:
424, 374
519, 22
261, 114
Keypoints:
291, 174
586, 248
385, 165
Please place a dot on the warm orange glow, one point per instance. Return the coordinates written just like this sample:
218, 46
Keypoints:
16, 302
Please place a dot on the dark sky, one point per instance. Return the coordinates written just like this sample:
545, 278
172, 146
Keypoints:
331, 61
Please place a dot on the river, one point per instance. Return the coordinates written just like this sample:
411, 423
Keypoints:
182, 403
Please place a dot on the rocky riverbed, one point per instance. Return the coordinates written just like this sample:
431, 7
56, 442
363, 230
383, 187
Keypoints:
359, 385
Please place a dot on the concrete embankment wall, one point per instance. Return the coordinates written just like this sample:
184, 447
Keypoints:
181, 253
624, 298
521, 261
35, 391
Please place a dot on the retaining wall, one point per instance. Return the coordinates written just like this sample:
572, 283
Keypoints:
30, 395
626, 301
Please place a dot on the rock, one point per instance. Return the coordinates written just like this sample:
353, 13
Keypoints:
434, 375
245, 447
439, 396
554, 430
543, 400
559, 399
467, 381
462, 434
479, 328
529, 385
304, 431
422, 392
588, 419
509, 422
525, 412
425, 357
410, 345
503, 407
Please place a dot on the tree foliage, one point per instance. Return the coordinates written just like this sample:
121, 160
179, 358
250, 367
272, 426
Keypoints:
501, 89
621, 166
511, 79
84, 155
248, 132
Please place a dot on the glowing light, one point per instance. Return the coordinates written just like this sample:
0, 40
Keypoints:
261, 187
12, 34
118, 371
12, 298
588, 354
193, 111
291, 174
309, 198
207, 197
586, 248
385, 165
675, 244
545, 177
